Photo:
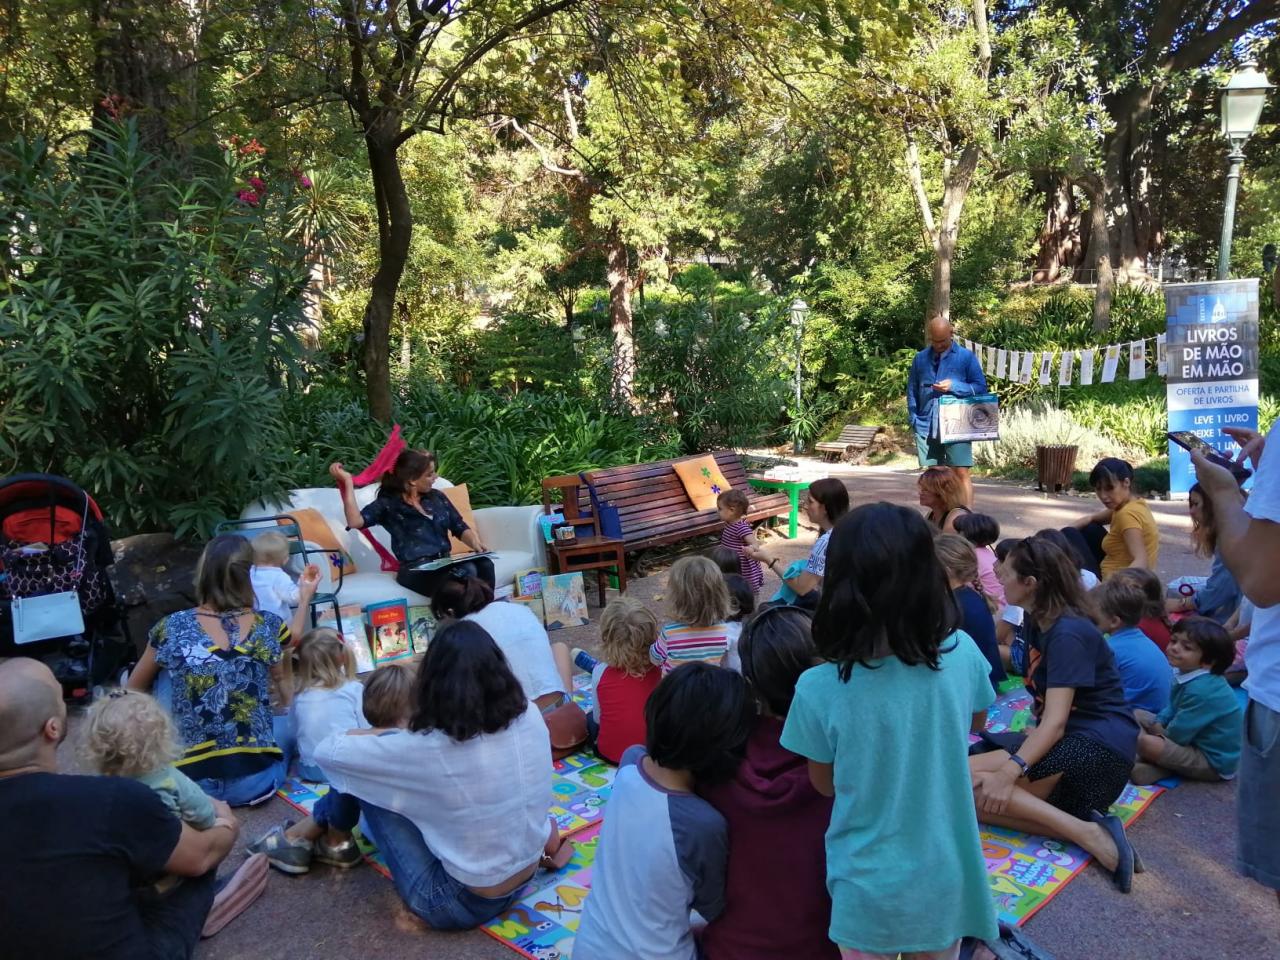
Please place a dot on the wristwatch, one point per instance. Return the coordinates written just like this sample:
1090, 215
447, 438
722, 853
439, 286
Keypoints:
1022, 764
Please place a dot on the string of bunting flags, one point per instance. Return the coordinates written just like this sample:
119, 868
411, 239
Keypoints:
1072, 366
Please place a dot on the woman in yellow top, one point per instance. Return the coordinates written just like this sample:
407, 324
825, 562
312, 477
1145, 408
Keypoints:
1124, 533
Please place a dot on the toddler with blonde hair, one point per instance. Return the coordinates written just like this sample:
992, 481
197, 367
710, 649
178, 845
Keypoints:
274, 591
699, 604
329, 700
623, 678
129, 734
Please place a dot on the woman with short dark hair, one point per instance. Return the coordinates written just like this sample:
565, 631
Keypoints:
1124, 533
457, 803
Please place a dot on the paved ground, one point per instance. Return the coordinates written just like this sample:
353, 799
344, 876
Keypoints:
1189, 905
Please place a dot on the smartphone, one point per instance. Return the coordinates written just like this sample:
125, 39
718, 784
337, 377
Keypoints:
1195, 444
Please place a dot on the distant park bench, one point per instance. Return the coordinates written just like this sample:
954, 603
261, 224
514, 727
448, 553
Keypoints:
853, 439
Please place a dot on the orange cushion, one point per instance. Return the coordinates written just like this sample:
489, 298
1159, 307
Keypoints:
702, 480
461, 501
315, 529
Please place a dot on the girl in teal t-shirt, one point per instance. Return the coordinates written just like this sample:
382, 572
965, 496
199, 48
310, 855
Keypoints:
884, 725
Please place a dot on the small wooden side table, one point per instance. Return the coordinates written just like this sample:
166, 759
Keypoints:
590, 553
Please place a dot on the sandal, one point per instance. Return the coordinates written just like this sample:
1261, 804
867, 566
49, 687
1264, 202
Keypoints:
1122, 875
236, 893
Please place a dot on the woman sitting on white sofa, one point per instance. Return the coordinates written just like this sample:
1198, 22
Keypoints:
418, 520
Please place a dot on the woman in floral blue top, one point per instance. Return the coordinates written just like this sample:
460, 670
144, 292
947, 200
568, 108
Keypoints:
219, 660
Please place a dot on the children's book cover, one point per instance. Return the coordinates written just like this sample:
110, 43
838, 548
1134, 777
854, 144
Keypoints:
529, 582
422, 627
354, 635
564, 599
533, 603
388, 630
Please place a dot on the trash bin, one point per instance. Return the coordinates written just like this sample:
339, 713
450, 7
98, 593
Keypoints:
1055, 464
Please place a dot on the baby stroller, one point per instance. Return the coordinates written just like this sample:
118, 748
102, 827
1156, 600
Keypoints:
53, 539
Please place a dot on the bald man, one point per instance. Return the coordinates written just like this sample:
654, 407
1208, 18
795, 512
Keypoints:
76, 849
943, 367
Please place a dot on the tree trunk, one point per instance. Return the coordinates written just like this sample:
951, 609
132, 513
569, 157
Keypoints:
312, 301
1059, 232
1096, 188
618, 273
953, 197
1127, 161
143, 66
395, 230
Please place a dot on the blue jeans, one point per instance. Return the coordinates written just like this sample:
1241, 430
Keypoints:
341, 811
421, 880
242, 791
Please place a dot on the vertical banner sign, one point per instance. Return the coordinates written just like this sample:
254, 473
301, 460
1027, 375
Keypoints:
1212, 345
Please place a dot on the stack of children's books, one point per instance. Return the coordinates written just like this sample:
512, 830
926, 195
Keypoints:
558, 600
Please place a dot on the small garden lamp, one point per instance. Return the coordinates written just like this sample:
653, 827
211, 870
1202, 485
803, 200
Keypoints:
799, 313
1242, 101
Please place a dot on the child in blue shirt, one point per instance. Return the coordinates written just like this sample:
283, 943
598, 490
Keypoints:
1144, 671
888, 628
1198, 734
663, 850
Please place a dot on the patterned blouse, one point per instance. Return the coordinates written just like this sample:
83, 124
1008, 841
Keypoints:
221, 699
416, 535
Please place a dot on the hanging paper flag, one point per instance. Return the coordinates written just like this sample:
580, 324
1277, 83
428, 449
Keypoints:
1066, 368
1002, 363
1138, 360
1110, 361
1028, 367
1162, 354
1086, 366
1046, 367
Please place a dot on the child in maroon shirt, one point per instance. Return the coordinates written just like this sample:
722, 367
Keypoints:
737, 534
776, 901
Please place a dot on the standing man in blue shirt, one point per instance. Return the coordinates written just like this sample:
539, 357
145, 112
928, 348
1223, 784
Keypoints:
943, 367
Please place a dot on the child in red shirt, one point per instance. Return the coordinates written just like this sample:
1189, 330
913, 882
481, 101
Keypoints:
624, 678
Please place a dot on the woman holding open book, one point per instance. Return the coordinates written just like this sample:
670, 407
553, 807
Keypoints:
418, 520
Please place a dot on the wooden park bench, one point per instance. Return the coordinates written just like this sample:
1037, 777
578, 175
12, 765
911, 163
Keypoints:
853, 439
655, 510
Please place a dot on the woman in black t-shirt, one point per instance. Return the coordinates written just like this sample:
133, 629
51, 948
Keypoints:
418, 519
1075, 763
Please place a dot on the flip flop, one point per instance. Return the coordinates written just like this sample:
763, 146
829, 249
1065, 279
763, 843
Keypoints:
236, 893
1122, 875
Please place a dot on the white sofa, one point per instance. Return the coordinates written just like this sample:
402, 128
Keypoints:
512, 533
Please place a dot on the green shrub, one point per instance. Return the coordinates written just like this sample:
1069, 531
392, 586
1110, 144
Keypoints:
1134, 413
719, 376
1024, 428
147, 326
500, 445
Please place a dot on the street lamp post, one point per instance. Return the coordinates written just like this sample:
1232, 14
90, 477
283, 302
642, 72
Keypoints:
1242, 100
799, 311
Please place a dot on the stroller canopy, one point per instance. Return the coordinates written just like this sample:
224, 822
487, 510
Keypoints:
43, 508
